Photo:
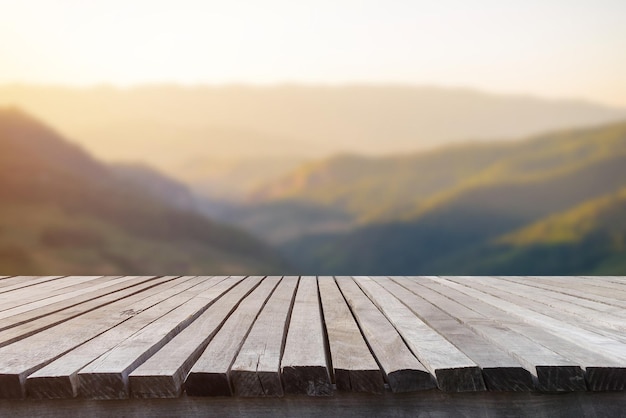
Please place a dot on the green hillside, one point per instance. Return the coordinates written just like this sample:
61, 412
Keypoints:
464, 199
62, 212
588, 239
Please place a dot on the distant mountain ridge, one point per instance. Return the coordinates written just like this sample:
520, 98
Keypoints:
63, 212
196, 133
429, 213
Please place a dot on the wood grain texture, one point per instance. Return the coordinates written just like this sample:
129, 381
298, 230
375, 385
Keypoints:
107, 376
256, 370
163, 375
403, 372
17, 282
59, 378
304, 367
554, 371
30, 354
354, 366
501, 371
281, 337
70, 296
29, 323
455, 372
210, 374
533, 312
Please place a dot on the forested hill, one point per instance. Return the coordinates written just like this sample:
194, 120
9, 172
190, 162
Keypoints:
432, 213
64, 212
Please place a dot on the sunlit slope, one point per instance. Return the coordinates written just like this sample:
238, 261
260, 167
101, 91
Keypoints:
404, 187
62, 212
529, 181
588, 239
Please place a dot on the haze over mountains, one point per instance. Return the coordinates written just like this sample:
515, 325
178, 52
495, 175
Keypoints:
63, 212
227, 141
552, 204
182, 163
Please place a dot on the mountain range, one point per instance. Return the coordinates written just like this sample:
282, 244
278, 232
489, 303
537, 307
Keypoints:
225, 141
550, 204
64, 212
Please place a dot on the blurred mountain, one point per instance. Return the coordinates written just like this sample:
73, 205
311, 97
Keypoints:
63, 212
590, 238
240, 136
432, 213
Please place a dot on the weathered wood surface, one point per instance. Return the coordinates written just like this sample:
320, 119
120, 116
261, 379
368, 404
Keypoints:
164, 374
304, 365
403, 371
256, 370
353, 365
178, 337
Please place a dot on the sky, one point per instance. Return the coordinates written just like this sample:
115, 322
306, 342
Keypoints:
548, 48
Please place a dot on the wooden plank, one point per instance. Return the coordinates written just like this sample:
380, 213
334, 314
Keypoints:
70, 293
354, 366
163, 375
551, 371
601, 372
42, 291
30, 354
107, 376
501, 371
17, 282
304, 368
568, 292
403, 371
577, 309
26, 326
578, 291
59, 378
455, 372
616, 339
256, 370
577, 336
209, 375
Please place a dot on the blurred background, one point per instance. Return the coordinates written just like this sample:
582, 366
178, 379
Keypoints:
313, 137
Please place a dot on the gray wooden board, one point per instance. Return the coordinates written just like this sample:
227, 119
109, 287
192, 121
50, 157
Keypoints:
30, 354
209, 375
579, 291
70, 294
501, 371
455, 371
567, 293
304, 368
26, 313
17, 282
590, 341
42, 291
598, 314
354, 366
59, 378
163, 375
587, 288
610, 282
107, 376
256, 370
610, 340
552, 371
403, 372
27, 326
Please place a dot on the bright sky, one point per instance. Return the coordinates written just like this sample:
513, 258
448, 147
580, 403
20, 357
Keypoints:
550, 48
